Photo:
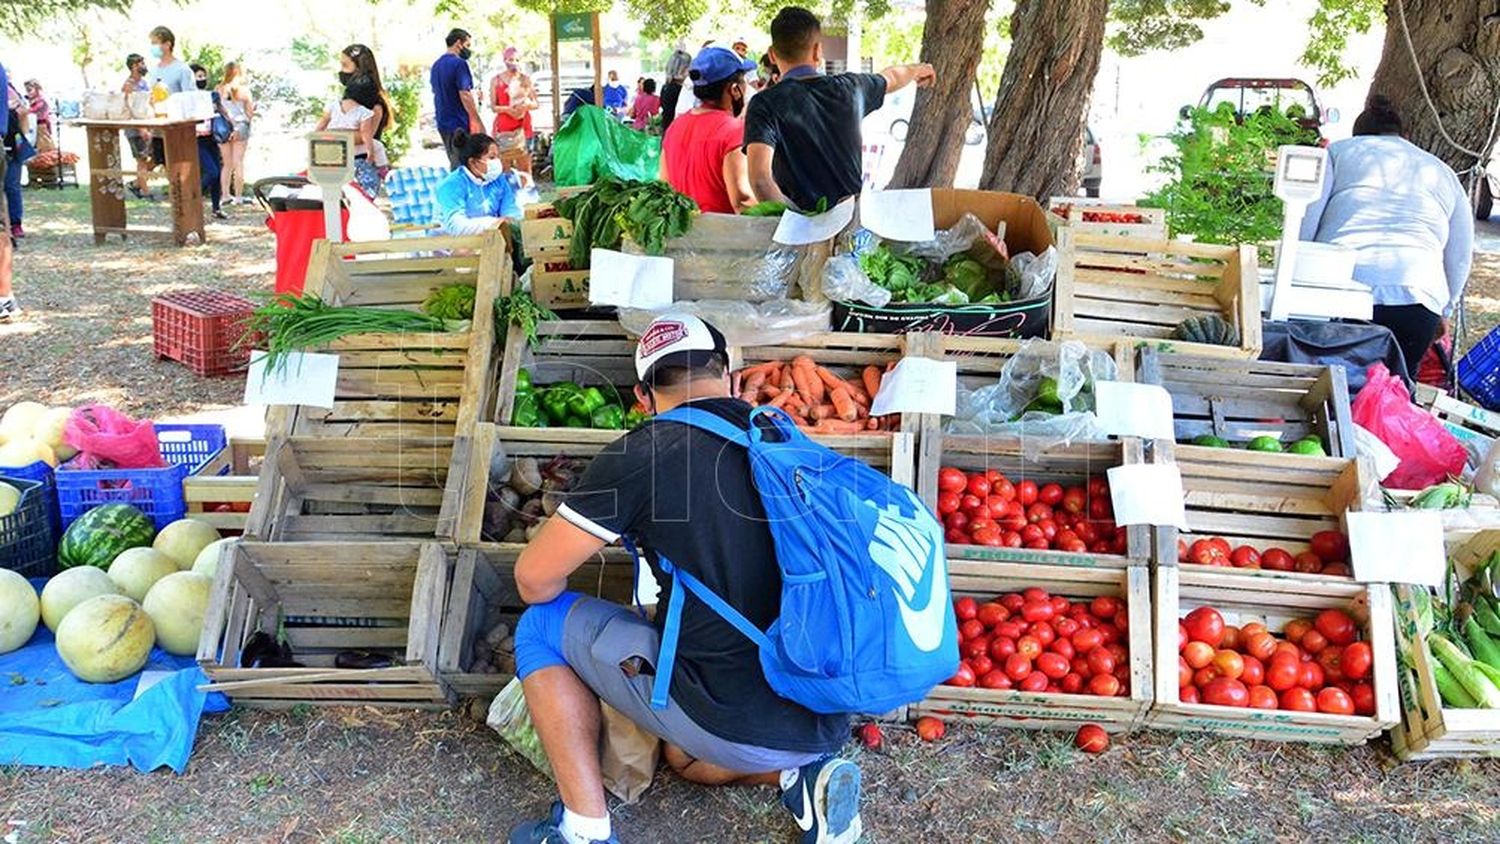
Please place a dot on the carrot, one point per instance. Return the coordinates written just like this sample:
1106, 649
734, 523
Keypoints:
805, 380
845, 406
820, 412
871, 377
780, 400
754, 382
795, 404
762, 369
837, 426
785, 381
770, 391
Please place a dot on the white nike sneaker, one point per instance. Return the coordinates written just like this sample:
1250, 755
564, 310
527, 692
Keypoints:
824, 800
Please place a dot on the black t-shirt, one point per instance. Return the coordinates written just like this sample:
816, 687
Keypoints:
690, 496
813, 124
670, 93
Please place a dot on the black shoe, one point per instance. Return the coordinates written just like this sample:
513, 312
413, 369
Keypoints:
220, 215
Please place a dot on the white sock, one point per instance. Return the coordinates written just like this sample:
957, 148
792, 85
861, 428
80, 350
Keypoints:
581, 829
789, 778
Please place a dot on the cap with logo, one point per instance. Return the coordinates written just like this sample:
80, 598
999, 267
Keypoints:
678, 340
715, 64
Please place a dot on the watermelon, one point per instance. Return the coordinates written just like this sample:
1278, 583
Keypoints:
99, 535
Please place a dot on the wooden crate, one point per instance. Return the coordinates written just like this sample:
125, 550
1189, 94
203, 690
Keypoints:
329, 598
1239, 400
723, 256
1048, 711
1428, 729
1076, 210
222, 493
1069, 465
1264, 501
1474, 426
546, 237
318, 489
1242, 599
484, 594
1136, 290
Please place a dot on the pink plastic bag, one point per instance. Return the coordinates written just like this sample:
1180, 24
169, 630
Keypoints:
107, 438
1429, 454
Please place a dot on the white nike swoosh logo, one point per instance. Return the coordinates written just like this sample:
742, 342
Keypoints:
805, 817
898, 550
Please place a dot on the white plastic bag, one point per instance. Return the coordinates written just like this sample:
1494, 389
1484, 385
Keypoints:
844, 281
1006, 407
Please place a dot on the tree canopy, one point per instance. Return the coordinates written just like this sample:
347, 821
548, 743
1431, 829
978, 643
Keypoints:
20, 17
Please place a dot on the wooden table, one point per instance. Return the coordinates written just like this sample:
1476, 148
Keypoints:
107, 175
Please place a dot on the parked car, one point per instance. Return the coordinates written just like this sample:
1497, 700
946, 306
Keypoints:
974, 134
1090, 163
1246, 95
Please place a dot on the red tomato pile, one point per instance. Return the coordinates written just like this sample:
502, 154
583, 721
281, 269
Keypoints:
1066, 211
1038, 642
1328, 553
985, 508
1319, 666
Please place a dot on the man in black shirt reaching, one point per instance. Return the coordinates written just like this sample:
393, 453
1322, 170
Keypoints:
687, 495
802, 135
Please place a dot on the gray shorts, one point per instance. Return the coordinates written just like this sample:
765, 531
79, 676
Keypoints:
599, 636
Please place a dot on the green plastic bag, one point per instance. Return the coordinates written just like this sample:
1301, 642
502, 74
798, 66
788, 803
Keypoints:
591, 145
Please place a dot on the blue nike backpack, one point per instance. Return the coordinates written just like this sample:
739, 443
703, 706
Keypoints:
866, 621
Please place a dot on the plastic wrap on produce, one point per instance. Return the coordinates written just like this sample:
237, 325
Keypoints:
743, 323
844, 281
1037, 272
950, 241
1045, 395
510, 718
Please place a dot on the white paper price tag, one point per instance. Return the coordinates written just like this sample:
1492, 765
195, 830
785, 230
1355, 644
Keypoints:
799, 229
918, 385
903, 215
629, 281
307, 378
1133, 410
1148, 494
1397, 547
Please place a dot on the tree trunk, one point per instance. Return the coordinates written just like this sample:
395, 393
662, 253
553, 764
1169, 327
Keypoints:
952, 42
1458, 46
1036, 131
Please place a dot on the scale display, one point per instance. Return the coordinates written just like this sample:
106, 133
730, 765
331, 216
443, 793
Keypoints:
329, 153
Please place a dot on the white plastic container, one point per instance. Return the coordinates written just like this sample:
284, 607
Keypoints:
1323, 264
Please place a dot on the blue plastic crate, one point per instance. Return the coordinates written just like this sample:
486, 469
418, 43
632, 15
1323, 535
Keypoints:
1479, 371
26, 543
43, 473
155, 492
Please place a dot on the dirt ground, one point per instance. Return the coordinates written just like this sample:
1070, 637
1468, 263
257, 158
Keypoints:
362, 775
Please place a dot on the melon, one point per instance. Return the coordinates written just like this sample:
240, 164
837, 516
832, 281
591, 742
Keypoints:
181, 540
136, 570
71, 588
98, 536
207, 562
19, 611
176, 605
49, 431
20, 418
105, 638
24, 451
10, 499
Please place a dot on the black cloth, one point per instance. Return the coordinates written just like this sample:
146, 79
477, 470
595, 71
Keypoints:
690, 496
210, 164
455, 159
671, 92
1415, 328
1352, 345
813, 124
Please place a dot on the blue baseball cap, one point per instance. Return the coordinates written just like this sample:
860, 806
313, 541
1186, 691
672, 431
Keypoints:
715, 64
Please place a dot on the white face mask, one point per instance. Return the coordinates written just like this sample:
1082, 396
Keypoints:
493, 169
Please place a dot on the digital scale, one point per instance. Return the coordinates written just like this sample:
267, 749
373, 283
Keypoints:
1311, 280
330, 166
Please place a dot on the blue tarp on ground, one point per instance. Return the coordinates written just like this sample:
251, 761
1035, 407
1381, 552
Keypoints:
49, 717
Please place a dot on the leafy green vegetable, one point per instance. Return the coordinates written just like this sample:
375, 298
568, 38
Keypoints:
900, 274
522, 310
648, 212
456, 301
967, 275
769, 208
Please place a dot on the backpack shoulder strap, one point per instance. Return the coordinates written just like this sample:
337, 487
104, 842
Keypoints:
707, 421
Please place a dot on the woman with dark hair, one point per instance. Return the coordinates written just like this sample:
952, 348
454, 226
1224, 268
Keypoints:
1407, 218
357, 65
352, 112
210, 160
476, 197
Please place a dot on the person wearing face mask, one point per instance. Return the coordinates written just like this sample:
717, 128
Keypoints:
349, 113
513, 99
700, 153
615, 95
139, 139
210, 158
359, 73
172, 73
477, 197
453, 94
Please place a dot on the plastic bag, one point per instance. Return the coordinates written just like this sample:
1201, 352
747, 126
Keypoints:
1429, 454
950, 241
1037, 273
744, 324
592, 145
510, 718
844, 281
107, 438
1012, 405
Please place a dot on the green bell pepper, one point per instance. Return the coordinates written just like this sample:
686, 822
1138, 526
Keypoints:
610, 417
575, 422
586, 401
555, 401
635, 418
523, 381
527, 412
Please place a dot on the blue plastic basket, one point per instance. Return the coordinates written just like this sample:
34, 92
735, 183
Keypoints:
26, 543
1479, 371
43, 473
155, 492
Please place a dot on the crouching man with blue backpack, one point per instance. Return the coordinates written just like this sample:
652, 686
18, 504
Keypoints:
799, 586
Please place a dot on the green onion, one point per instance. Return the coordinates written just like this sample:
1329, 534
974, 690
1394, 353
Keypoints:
290, 323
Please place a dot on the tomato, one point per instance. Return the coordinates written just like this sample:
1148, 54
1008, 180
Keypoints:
957, 520
1229, 664
1335, 701
1001, 648
930, 728
1098, 486
1104, 685
1310, 675
1203, 676
1364, 699
1205, 553
1110, 632
1182, 636
951, 479
979, 523
1105, 606
1038, 512
1296, 629
1101, 661
1356, 660
1330, 658
1065, 627
1298, 699
1014, 517
986, 536
1184, 673
1337, 626
995, 505
1187, 694
1000, 486
1010, 539
1308, 563
1339, 569
1244, 557
1254, 673
990, 613
1026, 493
1053, 665
1039, 545
1091, 738
994, 680
1017, 666
947, 502
1075, 500
1330, 546
978, 486
1042, 632
966, 608
1066, 535
1122, 622
1283, 672
970, 629
973, 648
1036, 681
963, 677
1061, 606
954, 536
1100, 507
1231, 639
973, 506
1276, 559
1204, 624
1087, 639
1074, 546
1034, 611
1226, 691
1288, 648
1313, 642
982, 665
1263, 697
1182, 551
1220, 543
1012, 629
1032, 533
1050, 494
1048, 526
1259, 644
1072, 684
1251, 629
1121, 655
1086, 532
1028, 647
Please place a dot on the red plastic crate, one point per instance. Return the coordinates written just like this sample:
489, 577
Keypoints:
203, 329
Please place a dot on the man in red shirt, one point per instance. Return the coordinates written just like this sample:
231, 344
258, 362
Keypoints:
701, 154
